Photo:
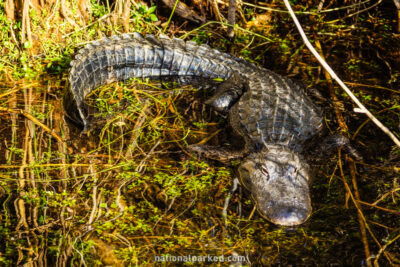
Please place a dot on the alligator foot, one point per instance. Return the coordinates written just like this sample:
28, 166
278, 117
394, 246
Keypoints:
221, 154
227, 94
333, 142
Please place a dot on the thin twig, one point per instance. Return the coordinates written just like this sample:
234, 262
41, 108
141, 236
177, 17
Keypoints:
355, 13
170, 16
397, 4
357, 205
231, 17
335, 99
382, 250
337, 79
52, 14
78, 30
34, 120
307, 12
9, 92
26, 26
13, 36
372, 86
380, 208
321, 5
225, 24
359, 213
391, 192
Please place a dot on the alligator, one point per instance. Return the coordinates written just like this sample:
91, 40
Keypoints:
271, 113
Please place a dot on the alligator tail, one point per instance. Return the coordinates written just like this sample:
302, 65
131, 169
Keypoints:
133, 55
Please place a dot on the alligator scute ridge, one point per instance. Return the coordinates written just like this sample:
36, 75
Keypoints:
272, 114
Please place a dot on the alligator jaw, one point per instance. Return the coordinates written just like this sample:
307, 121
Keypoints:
287, 214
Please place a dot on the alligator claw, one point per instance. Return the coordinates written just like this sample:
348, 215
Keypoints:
339, 141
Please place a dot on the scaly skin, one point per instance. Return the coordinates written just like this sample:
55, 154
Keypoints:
270, 112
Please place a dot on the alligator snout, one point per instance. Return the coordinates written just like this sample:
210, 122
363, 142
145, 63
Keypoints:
286, 214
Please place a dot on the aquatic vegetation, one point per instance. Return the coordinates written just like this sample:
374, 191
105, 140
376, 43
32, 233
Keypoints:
128, 190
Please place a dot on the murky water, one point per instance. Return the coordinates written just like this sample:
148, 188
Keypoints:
129, 186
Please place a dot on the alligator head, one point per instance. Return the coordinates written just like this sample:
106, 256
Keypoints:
278, 180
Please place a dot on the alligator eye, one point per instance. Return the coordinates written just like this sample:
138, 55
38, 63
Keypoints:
264, 170
265, 173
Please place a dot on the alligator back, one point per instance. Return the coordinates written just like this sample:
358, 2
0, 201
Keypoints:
275, 110
127, 56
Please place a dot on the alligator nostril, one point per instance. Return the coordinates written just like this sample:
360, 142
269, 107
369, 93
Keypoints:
289, 215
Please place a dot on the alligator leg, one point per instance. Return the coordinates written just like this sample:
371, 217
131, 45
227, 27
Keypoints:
227, 94
221, 154
333, 142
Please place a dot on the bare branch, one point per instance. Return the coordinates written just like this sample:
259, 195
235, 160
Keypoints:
318, 11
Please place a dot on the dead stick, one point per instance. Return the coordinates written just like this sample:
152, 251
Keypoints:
98, 20
398, 20
359, 214
335, 99
346, 185
24, 14
34, 120
397, 4
380, 208
231, 18
383, 249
